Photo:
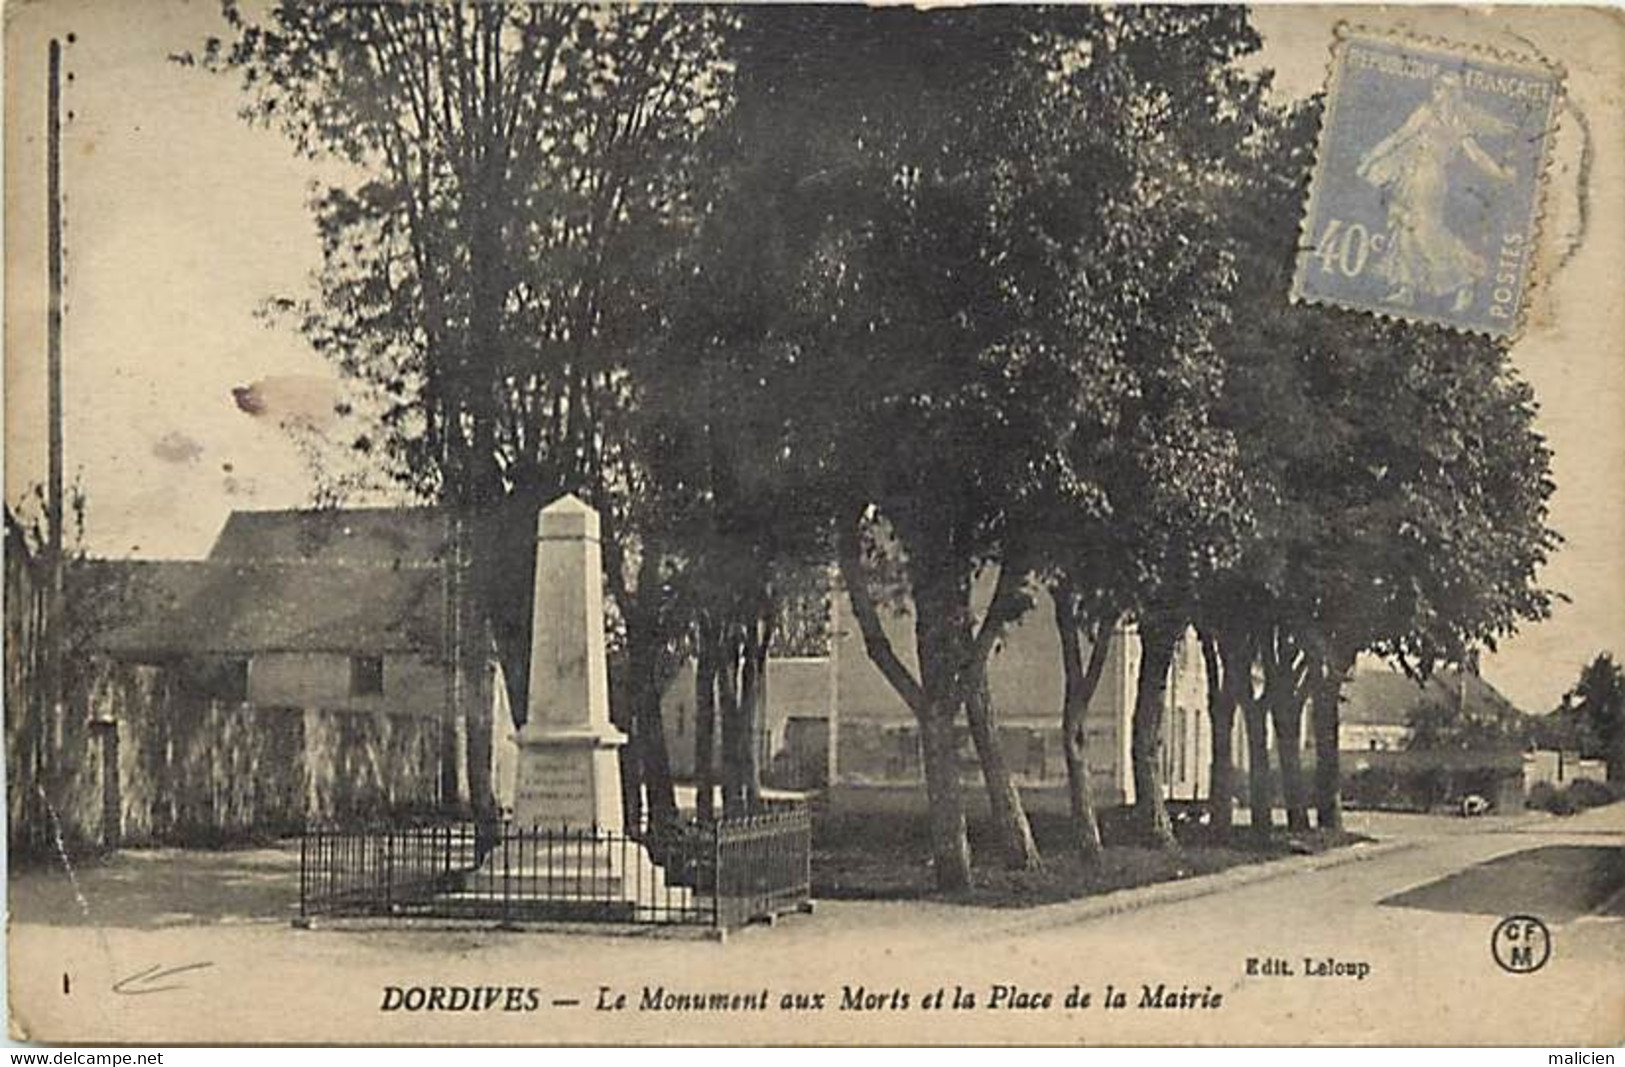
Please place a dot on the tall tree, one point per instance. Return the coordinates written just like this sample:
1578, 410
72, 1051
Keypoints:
870, 172
1005, 259
1397, 484
506, 171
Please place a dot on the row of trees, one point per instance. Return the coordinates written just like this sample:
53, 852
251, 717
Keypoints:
933, 295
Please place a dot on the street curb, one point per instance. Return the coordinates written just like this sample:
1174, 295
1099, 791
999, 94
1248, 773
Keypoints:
1138, 898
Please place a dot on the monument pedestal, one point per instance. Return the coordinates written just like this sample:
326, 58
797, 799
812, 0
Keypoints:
569, 778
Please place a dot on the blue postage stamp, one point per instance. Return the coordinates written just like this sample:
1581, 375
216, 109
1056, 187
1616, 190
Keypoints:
1427, 184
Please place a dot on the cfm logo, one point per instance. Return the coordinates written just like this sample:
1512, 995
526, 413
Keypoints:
1521, 944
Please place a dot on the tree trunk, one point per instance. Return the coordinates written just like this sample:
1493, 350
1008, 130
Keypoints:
1157, 641
1238, 654
630, 757
481, 488
471, 654
1328, 770
1221, 710
950, 846
941, 619
752, 710
659, 793
1328, 695
731, 706
450, 751
1286, 712
1010, 823
660, 798
646, 774
452, 767
1260, 795
1079, 684
934, 698
705, 721
625, 700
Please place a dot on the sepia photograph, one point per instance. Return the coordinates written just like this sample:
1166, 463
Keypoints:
537, 523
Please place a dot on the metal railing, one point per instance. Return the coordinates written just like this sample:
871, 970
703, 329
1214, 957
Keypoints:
720, 873
763, 865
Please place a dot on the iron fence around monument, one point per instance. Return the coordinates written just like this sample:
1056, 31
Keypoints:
719, 873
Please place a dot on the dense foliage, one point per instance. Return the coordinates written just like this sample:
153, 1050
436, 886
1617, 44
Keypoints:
988, 295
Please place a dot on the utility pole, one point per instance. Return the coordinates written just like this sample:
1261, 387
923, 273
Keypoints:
53, 694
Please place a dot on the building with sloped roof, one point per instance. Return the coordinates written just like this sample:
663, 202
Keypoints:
343, 610
1379, 702
339, 636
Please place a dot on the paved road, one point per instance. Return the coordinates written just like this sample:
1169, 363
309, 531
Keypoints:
1428, 976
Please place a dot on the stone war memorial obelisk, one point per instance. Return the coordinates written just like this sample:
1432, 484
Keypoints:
572, 856
569, 753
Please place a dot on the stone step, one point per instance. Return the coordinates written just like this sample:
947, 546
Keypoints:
570, 876
536, 885
676, 898
538, 909
561, 866
464, 896
497, 862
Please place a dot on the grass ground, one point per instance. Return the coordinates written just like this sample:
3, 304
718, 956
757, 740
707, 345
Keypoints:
870, 844
1556, 882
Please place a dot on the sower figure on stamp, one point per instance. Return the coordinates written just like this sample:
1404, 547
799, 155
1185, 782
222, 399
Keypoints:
1411, 166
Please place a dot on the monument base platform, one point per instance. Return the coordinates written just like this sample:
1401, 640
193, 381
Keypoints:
542, 874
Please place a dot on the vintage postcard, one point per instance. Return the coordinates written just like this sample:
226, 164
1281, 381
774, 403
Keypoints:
798, 525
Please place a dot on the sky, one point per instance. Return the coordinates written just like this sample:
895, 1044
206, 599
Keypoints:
183, 219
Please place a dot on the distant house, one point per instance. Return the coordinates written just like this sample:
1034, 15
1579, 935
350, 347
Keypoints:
1379, 702
298, 635
835, 718
343, 610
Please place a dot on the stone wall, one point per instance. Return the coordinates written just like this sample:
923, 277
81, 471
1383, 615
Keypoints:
137, 760
194, 771
368, 764
1560, 768
413, 685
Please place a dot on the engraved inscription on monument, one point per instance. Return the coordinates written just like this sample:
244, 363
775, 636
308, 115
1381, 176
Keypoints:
555, 786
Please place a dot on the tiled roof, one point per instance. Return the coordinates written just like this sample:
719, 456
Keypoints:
1382, 696
165, 608
389, 537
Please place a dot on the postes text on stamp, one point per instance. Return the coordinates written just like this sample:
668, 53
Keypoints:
1427, 183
